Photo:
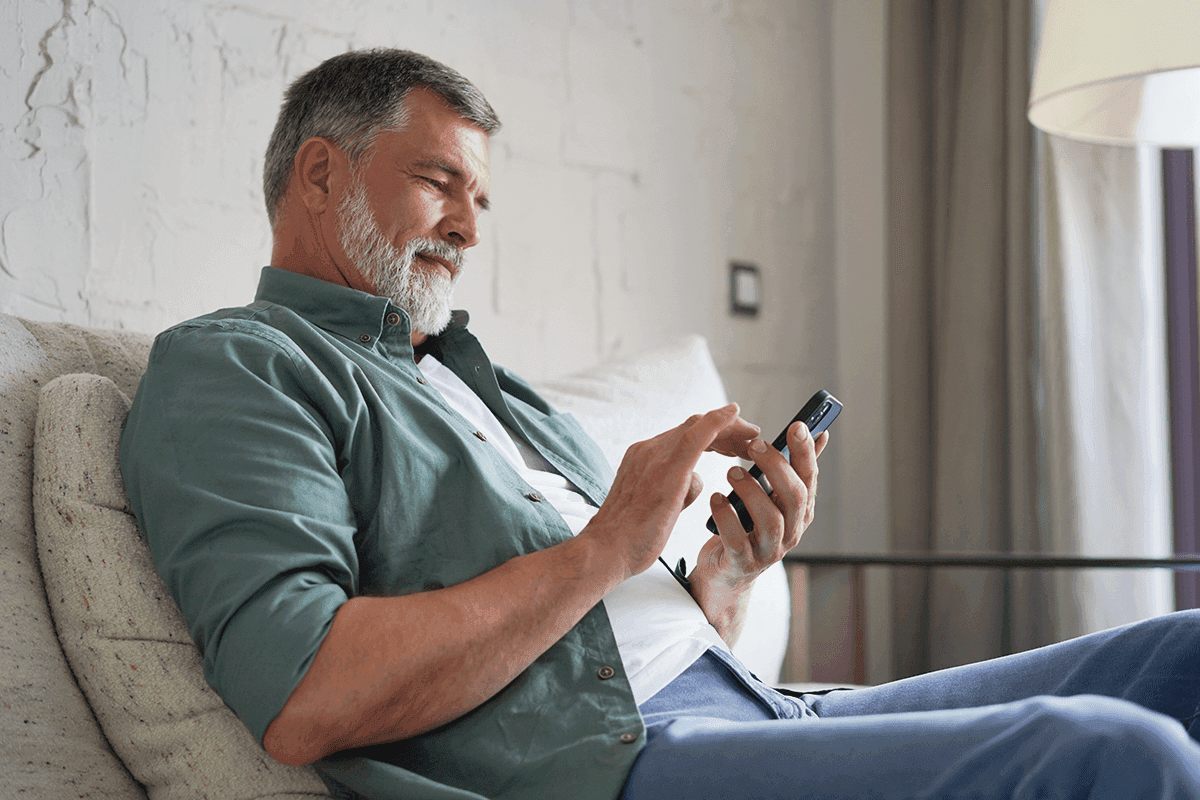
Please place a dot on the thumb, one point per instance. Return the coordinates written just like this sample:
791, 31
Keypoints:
694, 490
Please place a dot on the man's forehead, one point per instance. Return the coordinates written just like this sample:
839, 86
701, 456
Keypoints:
452, 148
437, 136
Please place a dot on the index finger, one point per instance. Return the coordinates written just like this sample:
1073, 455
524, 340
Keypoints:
702, 430
735, 438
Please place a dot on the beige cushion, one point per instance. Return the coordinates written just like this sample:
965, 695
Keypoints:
52, 746
123, 635
624, 401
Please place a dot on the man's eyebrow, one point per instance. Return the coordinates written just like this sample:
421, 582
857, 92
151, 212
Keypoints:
454, 172
437, 163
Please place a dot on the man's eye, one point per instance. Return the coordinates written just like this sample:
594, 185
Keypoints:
434, 182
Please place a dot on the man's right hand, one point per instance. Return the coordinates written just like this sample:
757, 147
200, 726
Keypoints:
656, 481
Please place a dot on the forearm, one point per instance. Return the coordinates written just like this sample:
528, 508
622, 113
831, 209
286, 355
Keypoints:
394, 667
391, 668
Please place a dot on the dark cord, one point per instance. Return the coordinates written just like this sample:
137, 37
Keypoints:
679, 573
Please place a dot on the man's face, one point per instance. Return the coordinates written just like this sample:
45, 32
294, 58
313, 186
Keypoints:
413, 206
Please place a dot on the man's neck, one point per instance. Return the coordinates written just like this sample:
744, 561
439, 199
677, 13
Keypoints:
299, 246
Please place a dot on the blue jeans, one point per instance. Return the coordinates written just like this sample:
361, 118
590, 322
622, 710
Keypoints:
1109, 715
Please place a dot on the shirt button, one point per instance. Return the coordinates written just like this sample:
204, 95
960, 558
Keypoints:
628, 738
421, 380
605, 672
534, 496
481, 436
365, 338
392, 318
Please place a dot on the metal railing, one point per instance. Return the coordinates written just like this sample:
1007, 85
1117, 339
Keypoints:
858, 562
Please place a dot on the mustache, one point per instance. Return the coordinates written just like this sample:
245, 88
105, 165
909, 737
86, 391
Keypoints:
438, 248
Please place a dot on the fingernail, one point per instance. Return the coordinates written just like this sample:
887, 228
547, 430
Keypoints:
803, 431
737, 473
758, 446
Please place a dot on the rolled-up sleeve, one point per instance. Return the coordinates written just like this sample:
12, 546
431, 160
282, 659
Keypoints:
233, 472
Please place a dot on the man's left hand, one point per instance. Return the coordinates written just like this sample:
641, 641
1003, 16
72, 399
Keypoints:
728, 564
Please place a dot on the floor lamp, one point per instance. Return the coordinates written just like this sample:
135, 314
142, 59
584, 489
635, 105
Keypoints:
1127, 72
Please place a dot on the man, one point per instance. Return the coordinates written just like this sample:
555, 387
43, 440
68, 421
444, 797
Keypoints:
402, 565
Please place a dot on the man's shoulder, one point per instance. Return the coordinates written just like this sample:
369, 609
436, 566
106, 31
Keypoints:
258, 322
254, 337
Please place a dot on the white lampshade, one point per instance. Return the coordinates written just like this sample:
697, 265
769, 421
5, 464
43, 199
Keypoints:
1119, 72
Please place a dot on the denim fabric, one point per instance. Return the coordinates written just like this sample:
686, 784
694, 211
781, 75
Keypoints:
1102, 716
718, 686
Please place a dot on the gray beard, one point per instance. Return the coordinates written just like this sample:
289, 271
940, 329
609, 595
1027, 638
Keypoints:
424, 294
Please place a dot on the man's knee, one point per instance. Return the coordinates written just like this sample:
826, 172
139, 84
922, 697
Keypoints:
1185, 623
1110, 733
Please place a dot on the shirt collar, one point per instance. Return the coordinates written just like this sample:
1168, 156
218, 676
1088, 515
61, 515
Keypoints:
338, 309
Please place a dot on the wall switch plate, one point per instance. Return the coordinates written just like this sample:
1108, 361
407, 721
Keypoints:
745, 289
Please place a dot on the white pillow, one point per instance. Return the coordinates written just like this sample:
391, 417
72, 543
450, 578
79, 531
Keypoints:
122, 633
622, 402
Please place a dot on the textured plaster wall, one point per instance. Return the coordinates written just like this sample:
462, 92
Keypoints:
645, 144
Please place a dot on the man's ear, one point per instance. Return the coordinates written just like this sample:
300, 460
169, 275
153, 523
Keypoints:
320, 167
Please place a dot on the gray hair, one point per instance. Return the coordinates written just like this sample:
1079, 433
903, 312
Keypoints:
351, 98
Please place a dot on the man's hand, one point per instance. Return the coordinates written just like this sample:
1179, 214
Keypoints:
728, 564
394, 667
656, 481
735, 439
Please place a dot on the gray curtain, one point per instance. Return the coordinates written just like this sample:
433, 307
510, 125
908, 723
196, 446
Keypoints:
963, 438
1104, 421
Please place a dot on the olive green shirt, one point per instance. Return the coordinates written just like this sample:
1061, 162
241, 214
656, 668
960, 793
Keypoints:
288, 455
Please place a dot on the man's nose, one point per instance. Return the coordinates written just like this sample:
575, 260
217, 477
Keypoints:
461, 225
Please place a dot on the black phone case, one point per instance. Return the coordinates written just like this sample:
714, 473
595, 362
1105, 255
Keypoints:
818, 414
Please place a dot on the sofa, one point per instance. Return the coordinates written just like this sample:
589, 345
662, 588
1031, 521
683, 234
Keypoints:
101, 688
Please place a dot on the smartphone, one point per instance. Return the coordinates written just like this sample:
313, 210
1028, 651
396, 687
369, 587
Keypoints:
818, 414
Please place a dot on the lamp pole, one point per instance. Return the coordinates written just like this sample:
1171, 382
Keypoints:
1183, 359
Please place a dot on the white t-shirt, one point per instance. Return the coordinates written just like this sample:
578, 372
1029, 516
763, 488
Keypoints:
659, 628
